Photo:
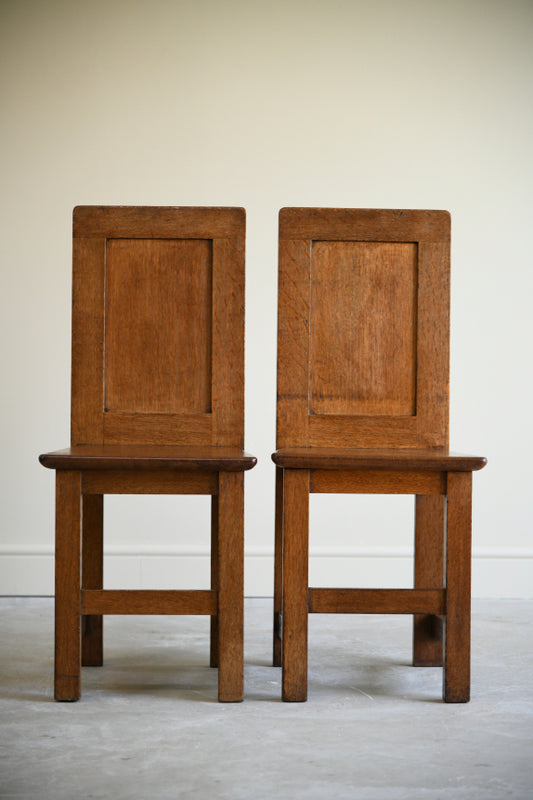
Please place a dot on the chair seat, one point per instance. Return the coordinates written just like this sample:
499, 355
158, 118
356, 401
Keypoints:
149, 457
438, 460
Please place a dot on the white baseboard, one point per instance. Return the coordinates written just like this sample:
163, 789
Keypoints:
496, 572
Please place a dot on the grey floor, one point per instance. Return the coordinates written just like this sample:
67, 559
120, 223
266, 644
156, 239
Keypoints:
148, 725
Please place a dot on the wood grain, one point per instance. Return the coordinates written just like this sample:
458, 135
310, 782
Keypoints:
178, 430
214, 646
167, 286
87, 388
433, 343
378, 481
294, 299
158, 326
363, 357
230, 586
363, 330
67, 685
428, 573
458, 580
363, 384
365, 458
364, 224
278, 570
139, 481
155, 601
376, 601
92, 576
157, 408
295, 583
159, 222
343, 431
228, 342
149, 457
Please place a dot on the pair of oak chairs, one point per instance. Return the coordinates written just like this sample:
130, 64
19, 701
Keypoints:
157, 407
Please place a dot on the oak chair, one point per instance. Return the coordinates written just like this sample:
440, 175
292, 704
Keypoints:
157, 407
362, 407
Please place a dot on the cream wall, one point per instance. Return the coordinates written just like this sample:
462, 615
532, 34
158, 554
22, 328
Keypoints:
416, 104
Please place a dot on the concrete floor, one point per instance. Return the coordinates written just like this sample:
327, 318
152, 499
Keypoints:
149, 727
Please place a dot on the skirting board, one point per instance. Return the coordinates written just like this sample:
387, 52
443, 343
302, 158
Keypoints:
495, 573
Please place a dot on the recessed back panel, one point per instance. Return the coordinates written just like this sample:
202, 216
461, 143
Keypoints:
158, 325
363, 356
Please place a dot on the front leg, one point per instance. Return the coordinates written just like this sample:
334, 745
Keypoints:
458, 579
231, 586
429, 574
213, 656
295, 583
68, 586
278, 569
92, 576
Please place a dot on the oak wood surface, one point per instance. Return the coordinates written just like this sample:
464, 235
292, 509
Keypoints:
294, 299
368, 224
363, 357
152, 601
458, 580
376, 601
92, 576
228, 342
140, 481
157, 407
213, 623
149, 457
377, 481
67, 685
129, 428
430, 527
88, 310
158, 326
343, 432
159, 222
433, 343
230, 586
363, 328
295, 583
278, 569
362, 407
361, 458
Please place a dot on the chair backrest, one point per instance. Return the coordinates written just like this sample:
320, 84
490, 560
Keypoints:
158, 326
363, 328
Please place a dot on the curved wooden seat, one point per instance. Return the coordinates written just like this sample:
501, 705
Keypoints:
354, 458
149, 457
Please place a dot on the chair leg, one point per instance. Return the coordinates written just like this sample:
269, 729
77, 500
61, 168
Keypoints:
92, 576
213, 656
67, 586
231, 586
278, 568
458, 575
429, 573
295, 583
